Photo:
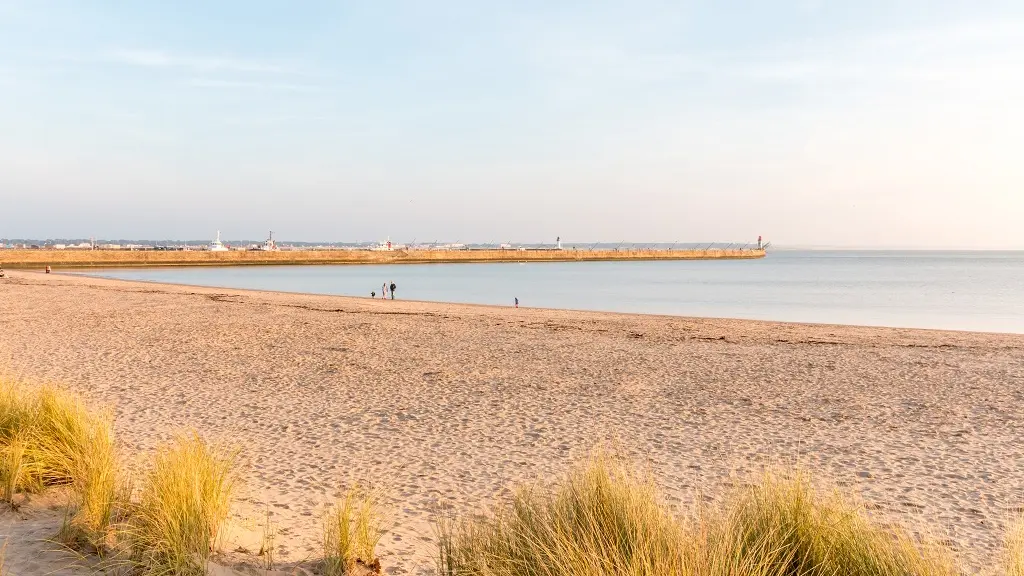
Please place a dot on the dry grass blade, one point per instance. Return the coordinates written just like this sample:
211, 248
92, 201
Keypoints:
12, 467
267, 543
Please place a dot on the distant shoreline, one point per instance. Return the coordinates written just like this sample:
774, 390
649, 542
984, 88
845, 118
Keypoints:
21, 258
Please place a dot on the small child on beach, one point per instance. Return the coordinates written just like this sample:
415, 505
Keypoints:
373, 294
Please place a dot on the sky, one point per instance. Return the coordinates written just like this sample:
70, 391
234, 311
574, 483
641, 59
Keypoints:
869, 123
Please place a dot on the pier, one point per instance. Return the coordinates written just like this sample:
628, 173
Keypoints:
38, 258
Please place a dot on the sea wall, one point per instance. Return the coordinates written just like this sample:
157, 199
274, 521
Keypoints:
128, 258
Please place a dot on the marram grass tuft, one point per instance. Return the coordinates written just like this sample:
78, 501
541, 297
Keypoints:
351, 530
184, 501
601, 519
49, 437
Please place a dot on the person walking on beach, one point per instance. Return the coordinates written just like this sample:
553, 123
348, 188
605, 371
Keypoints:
384, 291
517, 302
392, 289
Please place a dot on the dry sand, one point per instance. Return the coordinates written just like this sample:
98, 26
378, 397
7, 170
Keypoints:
449, 405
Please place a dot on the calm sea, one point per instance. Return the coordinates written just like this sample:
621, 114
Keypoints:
981, 291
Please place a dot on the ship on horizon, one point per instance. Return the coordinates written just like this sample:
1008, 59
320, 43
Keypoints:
217, 245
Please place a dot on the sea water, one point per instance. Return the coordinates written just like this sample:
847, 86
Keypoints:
981, 291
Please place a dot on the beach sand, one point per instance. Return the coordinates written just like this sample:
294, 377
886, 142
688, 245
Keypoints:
447, 406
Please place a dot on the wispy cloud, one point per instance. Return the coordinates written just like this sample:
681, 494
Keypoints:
162, 59
277, 120
250, 85
947, 53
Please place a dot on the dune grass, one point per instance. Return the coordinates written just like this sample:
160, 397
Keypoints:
784, 525
603, 518
49, 437
183, 503
1015, 549
351, 531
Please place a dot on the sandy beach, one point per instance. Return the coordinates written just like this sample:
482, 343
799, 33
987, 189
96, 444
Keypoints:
447, 406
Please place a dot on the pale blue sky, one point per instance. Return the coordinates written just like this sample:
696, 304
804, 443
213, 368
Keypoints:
867, 123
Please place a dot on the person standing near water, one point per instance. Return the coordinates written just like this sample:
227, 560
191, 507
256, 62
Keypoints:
517, 302
392, 289
384, 291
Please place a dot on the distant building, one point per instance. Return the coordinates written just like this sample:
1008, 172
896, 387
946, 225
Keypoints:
269, 245
387, 246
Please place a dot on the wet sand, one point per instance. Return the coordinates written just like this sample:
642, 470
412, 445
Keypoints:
449, 405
